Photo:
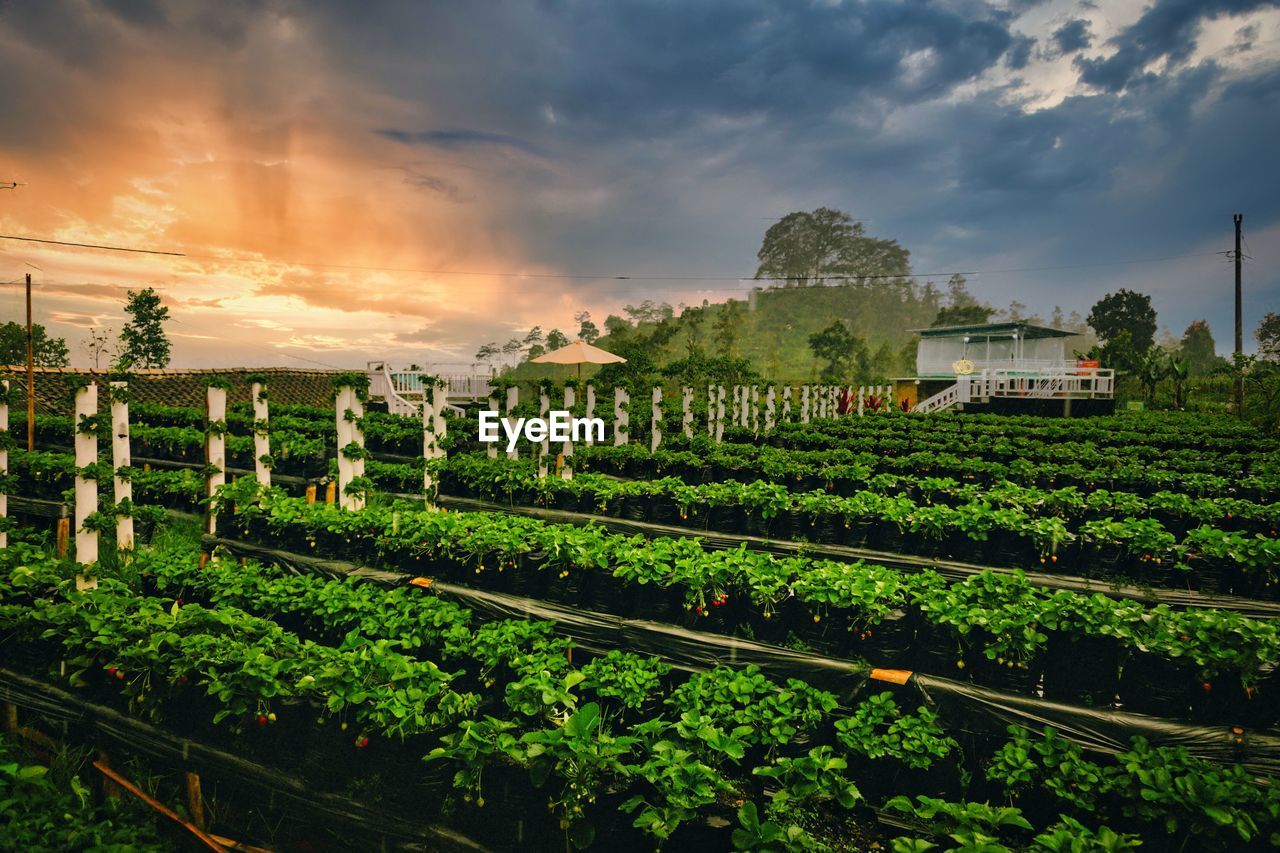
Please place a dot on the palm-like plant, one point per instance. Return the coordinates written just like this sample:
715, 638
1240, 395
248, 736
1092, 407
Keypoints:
1179, 370
1152, 367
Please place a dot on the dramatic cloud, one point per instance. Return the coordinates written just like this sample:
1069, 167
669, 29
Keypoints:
353, 182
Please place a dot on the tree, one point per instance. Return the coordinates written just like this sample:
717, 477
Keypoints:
488, 352
556, 340
144, 343
616, 326
46, 351
1199, 349
808, 249
587, 330
728, 328
97, 344
1151, 367
963, 315
649, 312
1125, 311
1268, 336
1179, 370
843, 351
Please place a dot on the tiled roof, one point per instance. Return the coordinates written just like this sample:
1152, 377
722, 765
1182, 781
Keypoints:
176, 387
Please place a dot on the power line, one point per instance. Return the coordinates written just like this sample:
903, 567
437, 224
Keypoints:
90, 246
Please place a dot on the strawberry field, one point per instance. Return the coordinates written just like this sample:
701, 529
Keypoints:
955, 632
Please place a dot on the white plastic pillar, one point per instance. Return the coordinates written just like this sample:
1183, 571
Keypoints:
755, 409
719, 414
655, 430
621, 417
770, 408
804, 404
786, 404
544, 449
215, 448
491, 448
121, 458
86, 489
513, 400
736, 407
261, 438
711, 411
348, 501
566, 470
686, 407
4, 457
591, 411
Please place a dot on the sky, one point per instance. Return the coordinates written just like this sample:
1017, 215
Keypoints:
409, 180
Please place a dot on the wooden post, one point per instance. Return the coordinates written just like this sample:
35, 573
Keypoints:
63, 536
10, 718
513, 400
215, 448
544, 449
195, 801
655, 429
121, 458
491, 448
86, 489
621, 417
4, 456
331, 492
261, 437
770, 408
566, 452
686, 405
311, 493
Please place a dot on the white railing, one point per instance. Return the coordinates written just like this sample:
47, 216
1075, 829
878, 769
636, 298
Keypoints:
944, 367
403, 389
1059, 382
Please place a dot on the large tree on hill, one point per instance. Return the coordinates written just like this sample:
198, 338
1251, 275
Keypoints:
807, 249
1125, 311
143, 341
728, 328
1268, 336
46, 351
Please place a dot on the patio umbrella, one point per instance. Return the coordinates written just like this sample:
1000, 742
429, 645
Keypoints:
579, 353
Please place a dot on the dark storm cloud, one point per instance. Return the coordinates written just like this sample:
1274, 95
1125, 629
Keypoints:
1019, 53
1072, 36
1168, 29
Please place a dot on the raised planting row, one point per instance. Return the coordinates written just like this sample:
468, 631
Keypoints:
707, 462
1007, 526
996, 628
601, 748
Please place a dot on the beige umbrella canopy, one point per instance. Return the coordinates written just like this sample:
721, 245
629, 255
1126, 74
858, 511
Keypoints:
579, 353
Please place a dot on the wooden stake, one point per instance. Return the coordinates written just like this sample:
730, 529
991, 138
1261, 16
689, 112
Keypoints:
63, 536
330, 492
195, 802
311, 493
10, 718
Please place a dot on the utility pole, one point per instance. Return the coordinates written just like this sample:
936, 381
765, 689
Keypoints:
1239, 219
31, 388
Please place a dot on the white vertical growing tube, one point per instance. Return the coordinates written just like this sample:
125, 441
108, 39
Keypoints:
591, 411
215, 448
755, 409
544, 448
804, 404
655, 414
261, 437
121, 458
491, 449
342, 402
686, 408
570, 400
786, 404
513, 400
356, 406
719, 413
770, 408
430, 442
621, 417
4, 459
86, 489
711, 411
